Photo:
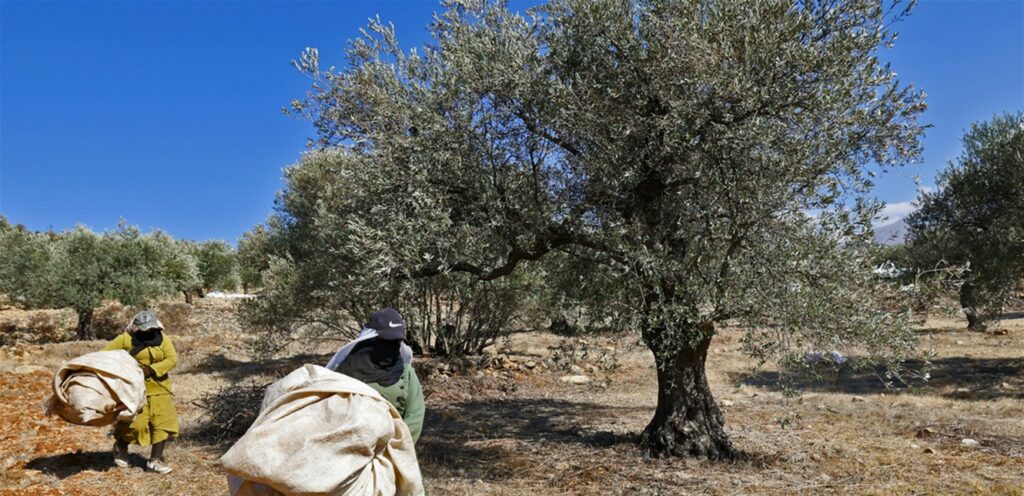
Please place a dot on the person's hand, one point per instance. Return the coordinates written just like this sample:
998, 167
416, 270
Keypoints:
148, 372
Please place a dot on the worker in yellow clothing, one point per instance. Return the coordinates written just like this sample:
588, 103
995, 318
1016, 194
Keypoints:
157, 423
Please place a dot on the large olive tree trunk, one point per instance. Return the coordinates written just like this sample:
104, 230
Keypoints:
968, 302
84, 330
687, 421
188, 296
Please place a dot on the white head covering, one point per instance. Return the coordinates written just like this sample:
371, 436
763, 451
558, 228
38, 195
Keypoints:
366, 334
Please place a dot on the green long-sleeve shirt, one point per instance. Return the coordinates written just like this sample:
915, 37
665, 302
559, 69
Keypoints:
407, 396
161, 359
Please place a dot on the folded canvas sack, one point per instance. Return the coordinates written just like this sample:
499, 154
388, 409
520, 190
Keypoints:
324, 433
98, 388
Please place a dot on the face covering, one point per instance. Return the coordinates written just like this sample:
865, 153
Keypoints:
375, 361
142, 339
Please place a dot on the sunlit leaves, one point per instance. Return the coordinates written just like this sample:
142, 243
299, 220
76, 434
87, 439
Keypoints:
660, 154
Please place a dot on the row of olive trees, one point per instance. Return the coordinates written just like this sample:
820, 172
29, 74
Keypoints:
80, 269
974, 222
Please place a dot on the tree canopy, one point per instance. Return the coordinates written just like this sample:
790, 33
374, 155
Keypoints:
25, 257
664, 155
976, 216
253, 257
217, 265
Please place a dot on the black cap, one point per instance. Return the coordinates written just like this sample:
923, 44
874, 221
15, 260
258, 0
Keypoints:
388, 323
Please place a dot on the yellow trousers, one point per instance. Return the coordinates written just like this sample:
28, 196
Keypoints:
157, 422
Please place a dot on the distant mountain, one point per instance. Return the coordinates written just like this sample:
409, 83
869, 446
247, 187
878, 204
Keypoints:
892, 234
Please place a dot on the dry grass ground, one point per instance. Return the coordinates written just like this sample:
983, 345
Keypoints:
508, 429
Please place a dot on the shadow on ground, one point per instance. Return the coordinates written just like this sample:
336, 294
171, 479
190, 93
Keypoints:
236, 370
496, 439
953, 377
68, 464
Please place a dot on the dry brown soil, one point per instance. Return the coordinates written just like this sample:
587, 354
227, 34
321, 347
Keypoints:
509, 429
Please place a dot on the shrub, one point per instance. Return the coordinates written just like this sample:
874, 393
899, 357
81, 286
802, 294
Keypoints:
228, 412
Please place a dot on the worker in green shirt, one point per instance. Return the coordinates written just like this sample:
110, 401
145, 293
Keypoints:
381, 359
157, 423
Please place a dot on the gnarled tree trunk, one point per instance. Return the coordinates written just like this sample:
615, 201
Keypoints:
188, 297
84, 330
687, 421
968, 302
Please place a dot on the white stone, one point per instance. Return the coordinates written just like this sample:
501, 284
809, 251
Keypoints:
575, 379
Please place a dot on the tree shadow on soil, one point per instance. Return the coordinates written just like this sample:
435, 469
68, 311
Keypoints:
237, 370
490, 439
943, 330
497, 440
546, 420
486, 439
952, 377
68, 464
500, 439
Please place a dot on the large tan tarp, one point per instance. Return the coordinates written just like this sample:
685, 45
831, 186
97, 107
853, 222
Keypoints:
324, 433
98, 388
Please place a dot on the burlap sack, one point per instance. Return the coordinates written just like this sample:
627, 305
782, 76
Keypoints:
98, 388
323, 433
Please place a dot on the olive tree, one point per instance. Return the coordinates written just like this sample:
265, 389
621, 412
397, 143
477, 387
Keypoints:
218, 267
177, 264
976, 216
253, 257
679, 146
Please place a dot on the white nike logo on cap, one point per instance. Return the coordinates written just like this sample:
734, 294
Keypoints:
393, 325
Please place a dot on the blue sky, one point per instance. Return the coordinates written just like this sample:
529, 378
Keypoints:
168, 113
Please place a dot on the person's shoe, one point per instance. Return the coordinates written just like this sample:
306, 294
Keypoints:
158, 466
120, 456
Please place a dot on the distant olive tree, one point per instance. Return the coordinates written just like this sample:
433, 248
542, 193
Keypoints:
253, 257
976, 217
177, 264
677, 145
218, 267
